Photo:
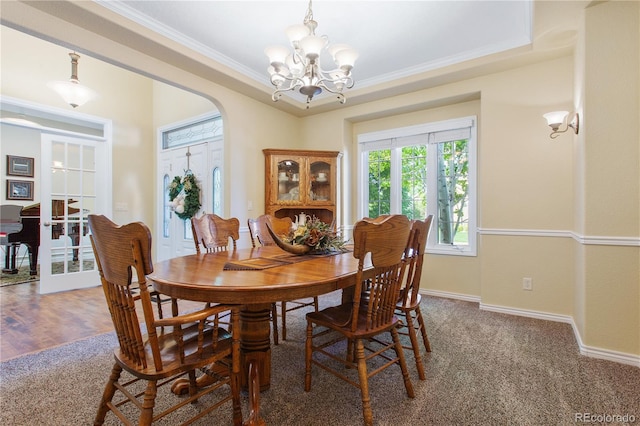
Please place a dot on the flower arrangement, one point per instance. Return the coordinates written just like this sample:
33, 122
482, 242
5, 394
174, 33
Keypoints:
184, 195
317, 235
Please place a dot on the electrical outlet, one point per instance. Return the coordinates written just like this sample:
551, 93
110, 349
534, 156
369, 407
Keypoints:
527, 284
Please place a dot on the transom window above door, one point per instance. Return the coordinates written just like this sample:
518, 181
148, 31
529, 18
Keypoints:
193, 133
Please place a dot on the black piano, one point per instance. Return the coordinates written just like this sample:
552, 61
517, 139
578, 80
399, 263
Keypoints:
21, 225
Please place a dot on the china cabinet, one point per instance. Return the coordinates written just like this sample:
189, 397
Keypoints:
302, 181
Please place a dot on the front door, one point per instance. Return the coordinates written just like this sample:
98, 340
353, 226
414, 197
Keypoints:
175, 237
74, 184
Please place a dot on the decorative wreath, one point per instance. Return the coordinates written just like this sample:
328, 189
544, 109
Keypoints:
184, 195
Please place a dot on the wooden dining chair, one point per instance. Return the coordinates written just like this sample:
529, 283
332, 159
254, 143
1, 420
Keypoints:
171, 348
408, 306
360, 324
281, 226
212, 232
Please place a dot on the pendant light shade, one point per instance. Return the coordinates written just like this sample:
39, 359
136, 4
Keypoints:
73, 93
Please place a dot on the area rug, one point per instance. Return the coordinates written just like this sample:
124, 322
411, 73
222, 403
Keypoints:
21, 277
486, 368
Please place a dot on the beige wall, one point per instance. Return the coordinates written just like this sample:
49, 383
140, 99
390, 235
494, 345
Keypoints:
537, 216
608, 294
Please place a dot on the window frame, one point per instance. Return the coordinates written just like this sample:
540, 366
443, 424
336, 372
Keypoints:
397, 138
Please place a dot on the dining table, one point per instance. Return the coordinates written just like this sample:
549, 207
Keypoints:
254, 279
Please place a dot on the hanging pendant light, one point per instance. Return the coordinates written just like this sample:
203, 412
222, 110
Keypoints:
300, 69
73, 93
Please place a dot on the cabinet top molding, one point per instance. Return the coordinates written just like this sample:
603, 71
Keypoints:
310, 153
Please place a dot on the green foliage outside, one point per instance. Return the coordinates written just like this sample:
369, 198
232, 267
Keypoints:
452, 187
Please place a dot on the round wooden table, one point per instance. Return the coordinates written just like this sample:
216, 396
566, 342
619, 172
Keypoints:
257, 278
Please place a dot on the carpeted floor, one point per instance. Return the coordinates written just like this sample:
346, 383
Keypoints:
485, 369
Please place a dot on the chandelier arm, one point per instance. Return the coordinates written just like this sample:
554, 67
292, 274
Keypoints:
348, 83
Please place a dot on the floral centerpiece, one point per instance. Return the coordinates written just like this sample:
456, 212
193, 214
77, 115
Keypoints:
184, 195
314, 236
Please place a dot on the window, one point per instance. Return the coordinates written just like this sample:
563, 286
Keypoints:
166, 210
422, 170
192, 133
216, 191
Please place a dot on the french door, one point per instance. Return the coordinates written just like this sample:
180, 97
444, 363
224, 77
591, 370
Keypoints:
74, 184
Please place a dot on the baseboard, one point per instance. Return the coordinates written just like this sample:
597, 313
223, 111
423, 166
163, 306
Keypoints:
528, 313
589, 351
592, 352
449, 295
606, 354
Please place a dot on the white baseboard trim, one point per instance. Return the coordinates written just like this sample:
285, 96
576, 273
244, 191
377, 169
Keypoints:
590, 351
606, 354
527, 313
449, 295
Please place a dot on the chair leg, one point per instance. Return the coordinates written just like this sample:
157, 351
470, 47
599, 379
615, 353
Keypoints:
364, 383
403, 363
423, 330
284, 319
235, 398
414, 344
193, 387
274, 321
146, 412
308, 354
107, 395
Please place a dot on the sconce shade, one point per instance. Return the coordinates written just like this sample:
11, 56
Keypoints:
555, 119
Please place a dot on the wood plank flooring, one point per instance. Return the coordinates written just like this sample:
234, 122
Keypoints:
31, 322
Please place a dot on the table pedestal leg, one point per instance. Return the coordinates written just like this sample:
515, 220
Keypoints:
255, 359
255, 343
255, 356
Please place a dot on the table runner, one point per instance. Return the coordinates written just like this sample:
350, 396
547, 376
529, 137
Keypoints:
260, 263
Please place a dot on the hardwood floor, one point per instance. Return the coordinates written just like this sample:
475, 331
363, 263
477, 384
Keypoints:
31, 322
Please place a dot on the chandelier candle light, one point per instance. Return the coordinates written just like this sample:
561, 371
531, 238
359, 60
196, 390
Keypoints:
300, 69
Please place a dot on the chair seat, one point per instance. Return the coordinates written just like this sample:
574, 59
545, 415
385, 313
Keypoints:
170, 353
407, 305
339, 318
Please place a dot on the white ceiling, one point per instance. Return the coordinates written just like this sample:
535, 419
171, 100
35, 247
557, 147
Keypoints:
395, 39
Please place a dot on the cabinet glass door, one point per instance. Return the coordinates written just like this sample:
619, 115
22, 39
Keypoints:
320, 176
288, 180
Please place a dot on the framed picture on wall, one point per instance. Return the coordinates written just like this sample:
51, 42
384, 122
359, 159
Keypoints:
19, 189
19, 166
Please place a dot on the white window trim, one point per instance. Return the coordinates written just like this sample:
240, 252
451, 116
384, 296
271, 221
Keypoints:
389, 138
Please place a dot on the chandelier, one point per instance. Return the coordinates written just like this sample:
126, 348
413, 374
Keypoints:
73, 93
300, 69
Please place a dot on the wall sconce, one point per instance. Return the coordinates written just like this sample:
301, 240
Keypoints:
73, 93
556, 119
